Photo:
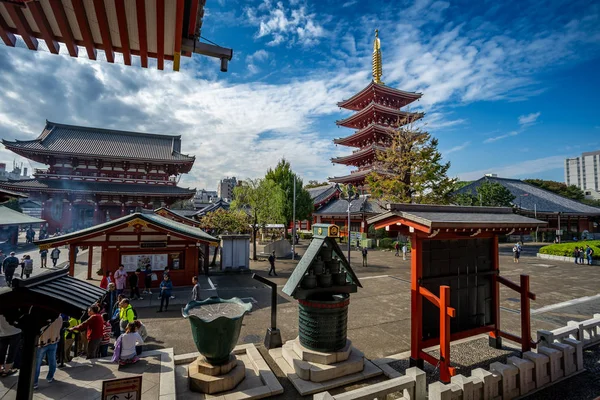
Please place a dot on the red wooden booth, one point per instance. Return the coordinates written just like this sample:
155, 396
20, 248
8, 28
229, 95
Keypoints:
455, 275
139, 239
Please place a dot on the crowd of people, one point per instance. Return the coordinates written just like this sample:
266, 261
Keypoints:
581, 253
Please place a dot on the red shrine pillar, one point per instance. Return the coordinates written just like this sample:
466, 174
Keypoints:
67, 216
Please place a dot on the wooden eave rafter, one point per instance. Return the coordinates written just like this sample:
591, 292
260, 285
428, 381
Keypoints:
65, 28
374, 109
16, 14
359, 155
160, 33
178, 29
123, 31
7, 37
142, 34
350, 104
44, 26
371, 131
84, 28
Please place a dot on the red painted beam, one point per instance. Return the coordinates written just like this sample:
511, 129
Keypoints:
142, 34
8, 38
123, 32
16, 14
104, 30
65, 27
84, 28
160, 33
44, 26
178, 34
193, 16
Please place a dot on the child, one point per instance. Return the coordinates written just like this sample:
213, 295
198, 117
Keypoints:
165, 292
125, 346
106, 336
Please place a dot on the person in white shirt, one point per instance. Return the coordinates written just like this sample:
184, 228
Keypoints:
129, 340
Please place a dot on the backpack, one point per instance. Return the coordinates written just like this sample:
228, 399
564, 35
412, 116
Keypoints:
27, 266
135, 316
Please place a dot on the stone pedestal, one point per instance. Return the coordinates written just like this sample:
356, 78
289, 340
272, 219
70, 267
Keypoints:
312, 371
207, 378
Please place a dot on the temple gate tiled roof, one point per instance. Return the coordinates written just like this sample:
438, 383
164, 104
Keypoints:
530, 198
364, 204
58, 185
104, 143
321, 194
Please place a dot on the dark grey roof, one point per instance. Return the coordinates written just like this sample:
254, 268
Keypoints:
213, 207
9, 216
97, 187
434, 216
529, 197
6, 195
321, 193
84, 141
164, 223
364, 204
184, 213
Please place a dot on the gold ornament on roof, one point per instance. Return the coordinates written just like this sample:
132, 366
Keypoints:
377, 68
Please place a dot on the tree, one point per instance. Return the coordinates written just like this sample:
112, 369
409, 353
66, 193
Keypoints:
283, 176
226, 221
569, 191
13, 204
183, 205
264, 201
490, 194
410, 170
313, 184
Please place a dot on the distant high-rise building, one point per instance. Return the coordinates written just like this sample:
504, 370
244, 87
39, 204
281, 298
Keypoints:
204, 198
584, 173
225, 188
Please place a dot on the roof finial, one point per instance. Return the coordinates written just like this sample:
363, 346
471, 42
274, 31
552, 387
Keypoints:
377, 69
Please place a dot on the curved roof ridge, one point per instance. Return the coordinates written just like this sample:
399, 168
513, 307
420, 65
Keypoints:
113, 131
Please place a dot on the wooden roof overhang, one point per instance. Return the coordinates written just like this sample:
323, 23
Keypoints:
356, 157
382, 115
159, 29
454, 221
131, 231
372, 133
165, 212
357, 176
7, 195
381, 94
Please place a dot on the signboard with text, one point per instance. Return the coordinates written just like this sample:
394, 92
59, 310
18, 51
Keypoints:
122, 389
131, 262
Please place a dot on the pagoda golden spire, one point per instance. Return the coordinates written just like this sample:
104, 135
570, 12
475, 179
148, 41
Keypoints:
377, 69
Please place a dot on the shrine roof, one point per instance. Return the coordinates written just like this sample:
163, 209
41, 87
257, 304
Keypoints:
355, 176
82, 141
351, 121
364, 204
149, 218
428, 217
60, 185
364, 133
9, 216
409, 97
358, 155
323, 193
177, 216
220, 203
6, 195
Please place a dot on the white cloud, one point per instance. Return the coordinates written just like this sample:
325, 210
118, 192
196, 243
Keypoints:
349, 3
529, 119
254, 58
456, 148
285, 24
518, 169
496, 138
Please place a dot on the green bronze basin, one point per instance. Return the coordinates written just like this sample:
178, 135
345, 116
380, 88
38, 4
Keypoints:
216, 325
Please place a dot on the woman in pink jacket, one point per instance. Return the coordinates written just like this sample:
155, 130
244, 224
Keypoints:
120, 279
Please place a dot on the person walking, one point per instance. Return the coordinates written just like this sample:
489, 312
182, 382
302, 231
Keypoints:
94, 326
576, 254
9, 266
9, 344
44, 258
516, 253
397, 248
26, 266
47, 346
364, 254
54, 254
196, 289
272, 262
589, 252
147, 279
133, 284
125, 346
404, 251
166, 286
120, 279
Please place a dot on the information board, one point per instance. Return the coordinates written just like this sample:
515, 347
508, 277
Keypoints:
122, 389
131, 262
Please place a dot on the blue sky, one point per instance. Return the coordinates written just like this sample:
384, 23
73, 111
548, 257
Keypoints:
509, 87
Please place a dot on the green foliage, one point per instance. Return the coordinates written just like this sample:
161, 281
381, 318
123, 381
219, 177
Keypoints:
411, 170
313, 184
226, 221
306, 235
284, 177
386, 243
461, 184
13, 204
591, 202
567, 249
376, 233
491, 194
263, 200
183, 205
571, 192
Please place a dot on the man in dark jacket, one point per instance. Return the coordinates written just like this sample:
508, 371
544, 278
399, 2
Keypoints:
133, 284
272, 262
8, 267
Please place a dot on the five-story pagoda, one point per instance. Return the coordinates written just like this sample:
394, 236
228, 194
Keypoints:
378, 110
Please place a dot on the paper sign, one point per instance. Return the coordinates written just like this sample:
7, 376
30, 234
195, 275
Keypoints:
122, 389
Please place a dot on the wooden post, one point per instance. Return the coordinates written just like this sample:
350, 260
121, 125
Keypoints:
71, 260
90, 259
205, 261
494, 338
525, 315
416, 303
445, 373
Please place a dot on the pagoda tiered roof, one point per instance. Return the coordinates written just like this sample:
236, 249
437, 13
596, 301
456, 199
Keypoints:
107, 144
359, 156
65, 186
377, 114
373, 133
380, 94
354, 177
